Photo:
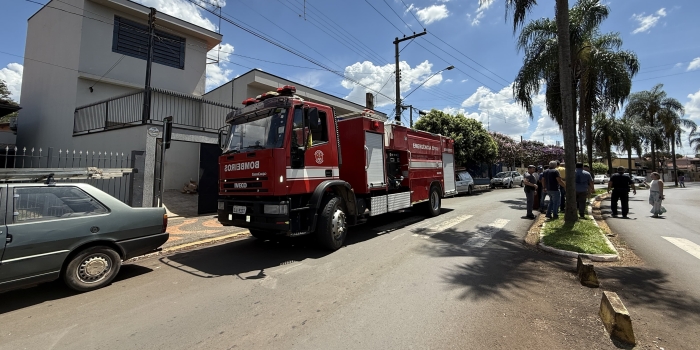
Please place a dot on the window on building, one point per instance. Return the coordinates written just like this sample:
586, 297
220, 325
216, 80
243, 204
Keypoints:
131, 38
51, 203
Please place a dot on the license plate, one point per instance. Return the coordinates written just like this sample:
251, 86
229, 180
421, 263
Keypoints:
238, 209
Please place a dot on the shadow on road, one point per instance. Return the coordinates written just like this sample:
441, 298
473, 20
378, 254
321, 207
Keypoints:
249, 258
519, 203
502, 267
47, 292
649, 288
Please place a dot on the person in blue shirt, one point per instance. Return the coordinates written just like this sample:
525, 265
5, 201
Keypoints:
584, 186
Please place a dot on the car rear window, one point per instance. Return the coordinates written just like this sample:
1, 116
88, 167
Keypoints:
51, 203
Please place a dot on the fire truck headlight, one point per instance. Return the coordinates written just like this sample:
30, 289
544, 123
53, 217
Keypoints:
281, 178
221, 205
275, 209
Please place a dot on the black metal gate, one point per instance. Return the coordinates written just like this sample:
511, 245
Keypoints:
209, 178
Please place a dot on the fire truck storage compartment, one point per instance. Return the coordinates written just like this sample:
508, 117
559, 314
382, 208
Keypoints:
362, 151
448, 166
425, 165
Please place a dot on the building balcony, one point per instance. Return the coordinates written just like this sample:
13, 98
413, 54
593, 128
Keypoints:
188, 112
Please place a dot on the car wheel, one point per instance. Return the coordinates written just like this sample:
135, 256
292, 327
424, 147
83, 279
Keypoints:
522, 183
92, 268
470, 190
510, 184
332, 226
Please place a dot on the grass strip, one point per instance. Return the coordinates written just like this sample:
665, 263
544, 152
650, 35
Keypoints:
582, 237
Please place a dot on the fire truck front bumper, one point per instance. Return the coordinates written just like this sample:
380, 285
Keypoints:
269, 216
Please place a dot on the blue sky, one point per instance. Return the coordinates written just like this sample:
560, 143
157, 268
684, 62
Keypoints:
354, 38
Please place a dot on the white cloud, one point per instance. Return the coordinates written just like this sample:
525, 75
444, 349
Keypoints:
498, 111
12, 76
647, 22
479, 13
464, 80
694, 64
432, 13
185, 10
448, 80
381, 78
218, 74
692, 107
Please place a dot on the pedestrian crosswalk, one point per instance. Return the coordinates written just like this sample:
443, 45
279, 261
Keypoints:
418, 227
685, 244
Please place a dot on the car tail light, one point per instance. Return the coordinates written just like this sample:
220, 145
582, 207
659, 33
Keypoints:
165, 222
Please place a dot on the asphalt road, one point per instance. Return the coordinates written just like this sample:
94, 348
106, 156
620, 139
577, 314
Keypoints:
462, 280
665, 291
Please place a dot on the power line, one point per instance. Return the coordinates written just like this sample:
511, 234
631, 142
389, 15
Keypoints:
286, 48
469, 58
381, 14
397, 15
411, 12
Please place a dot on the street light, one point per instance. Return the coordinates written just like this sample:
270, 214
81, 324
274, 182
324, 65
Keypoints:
426, 80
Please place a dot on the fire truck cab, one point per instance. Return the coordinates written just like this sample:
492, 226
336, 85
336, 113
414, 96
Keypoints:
292, 167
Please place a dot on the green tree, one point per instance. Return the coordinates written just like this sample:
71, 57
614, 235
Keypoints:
472, 142
602, 73
632, 134
599, 168
648, 107
694, 140
607, 132
674, 126
6, 98
566, 98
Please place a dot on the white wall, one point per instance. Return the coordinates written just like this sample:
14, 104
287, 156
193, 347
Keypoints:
49, 90
96, 56
181, 164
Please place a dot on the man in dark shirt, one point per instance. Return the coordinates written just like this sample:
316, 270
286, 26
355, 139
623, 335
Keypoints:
620, 185
530, 182
552, 181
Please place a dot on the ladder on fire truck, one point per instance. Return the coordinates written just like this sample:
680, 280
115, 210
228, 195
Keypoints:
41, 174
367, 113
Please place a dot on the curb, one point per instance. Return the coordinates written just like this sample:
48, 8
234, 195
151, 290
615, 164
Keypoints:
177, 248
570, 254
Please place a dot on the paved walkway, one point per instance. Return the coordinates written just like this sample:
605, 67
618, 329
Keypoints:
185, 230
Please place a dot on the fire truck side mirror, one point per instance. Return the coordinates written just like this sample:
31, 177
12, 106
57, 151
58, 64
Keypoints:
221, 139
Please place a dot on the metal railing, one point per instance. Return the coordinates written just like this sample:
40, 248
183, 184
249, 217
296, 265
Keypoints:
123, 111
38, 158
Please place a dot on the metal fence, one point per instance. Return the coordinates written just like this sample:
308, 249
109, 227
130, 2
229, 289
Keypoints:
123, 111
38, 158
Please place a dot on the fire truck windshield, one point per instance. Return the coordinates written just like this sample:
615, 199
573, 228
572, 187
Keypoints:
258, 130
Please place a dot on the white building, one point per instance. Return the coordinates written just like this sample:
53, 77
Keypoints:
83, 90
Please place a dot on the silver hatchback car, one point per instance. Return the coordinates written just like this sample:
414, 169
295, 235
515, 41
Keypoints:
71, 231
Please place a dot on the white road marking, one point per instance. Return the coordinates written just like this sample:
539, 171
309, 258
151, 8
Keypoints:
424, 231
687, 245
397, 225
485, 234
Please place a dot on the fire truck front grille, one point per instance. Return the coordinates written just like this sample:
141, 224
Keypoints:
243, 187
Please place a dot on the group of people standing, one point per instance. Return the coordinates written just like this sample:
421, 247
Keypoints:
540, 183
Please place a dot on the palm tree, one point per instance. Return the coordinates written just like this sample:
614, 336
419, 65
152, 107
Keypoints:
608, 131
520, 8
674, 126
631, 138
694, 140
648, 106
602, 73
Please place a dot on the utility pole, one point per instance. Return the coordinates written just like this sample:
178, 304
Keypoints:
410, 112
146, 115
398, 72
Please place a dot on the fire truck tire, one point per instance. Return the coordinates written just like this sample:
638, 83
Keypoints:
434, 202
262, 235
331, 228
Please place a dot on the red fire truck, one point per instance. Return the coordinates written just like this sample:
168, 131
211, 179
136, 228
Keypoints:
293, 167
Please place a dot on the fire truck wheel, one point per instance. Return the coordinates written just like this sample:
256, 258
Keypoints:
262, 235
332, 226
434, 202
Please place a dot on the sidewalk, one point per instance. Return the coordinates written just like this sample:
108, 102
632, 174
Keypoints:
185, 226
